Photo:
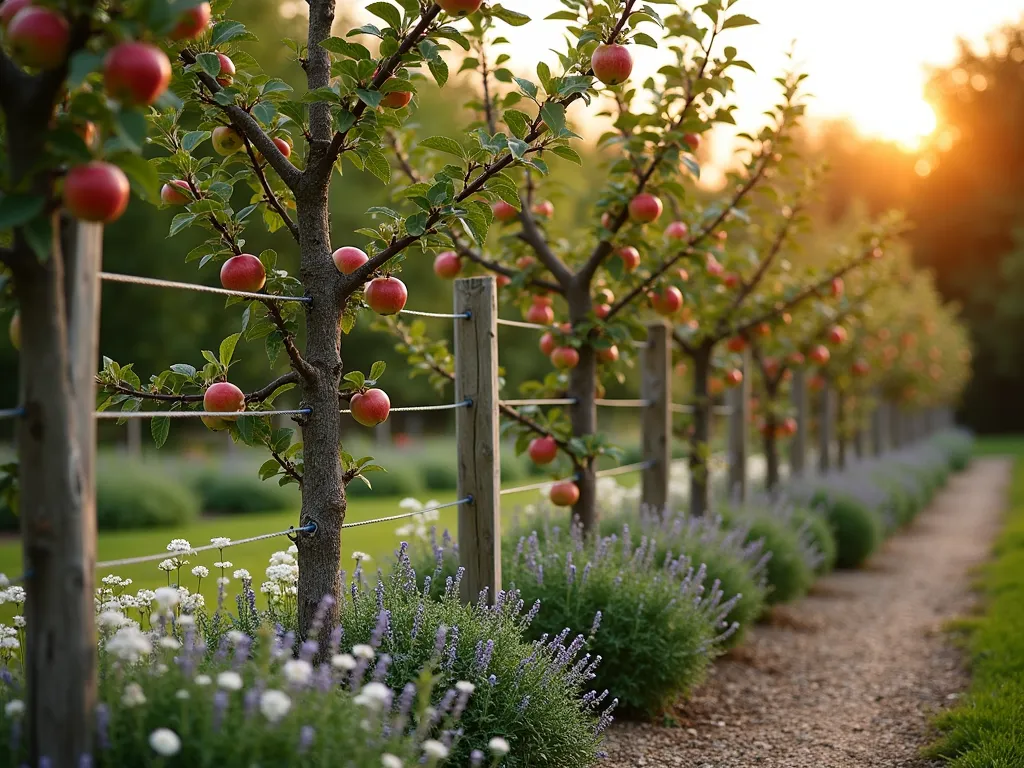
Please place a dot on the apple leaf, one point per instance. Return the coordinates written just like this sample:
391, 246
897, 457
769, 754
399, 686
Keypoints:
17, 209
553, 115
439, 70
159, 428
387, 12
209, 63
518, 122
512, 18
528, 87
739, 20
142, 176
416, 224
193, 139
444, 144
370, 98
227, 349
377, 370
269, 469
642, 38
568, 153
181, 221
82, 64
345, 48
356, 377
230, 30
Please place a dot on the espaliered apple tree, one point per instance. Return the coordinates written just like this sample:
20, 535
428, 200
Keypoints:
587, 288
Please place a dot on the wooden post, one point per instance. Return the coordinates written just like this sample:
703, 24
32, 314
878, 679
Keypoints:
739, 397
798, 445
878, 428
656, 389
825, 430
476, 429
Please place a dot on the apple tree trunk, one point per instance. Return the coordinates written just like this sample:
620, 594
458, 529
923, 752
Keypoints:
583, 416
700, 437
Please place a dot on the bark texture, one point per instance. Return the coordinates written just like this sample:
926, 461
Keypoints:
583, 387
700, 438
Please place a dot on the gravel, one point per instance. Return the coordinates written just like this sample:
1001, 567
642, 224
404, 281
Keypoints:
851, 675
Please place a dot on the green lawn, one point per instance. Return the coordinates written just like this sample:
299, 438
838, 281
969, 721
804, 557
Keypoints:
987, 729
999, 445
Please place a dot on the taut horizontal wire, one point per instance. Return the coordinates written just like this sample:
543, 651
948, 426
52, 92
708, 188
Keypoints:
412, 408
11, 413
622, 403
625, 469
404, 515
521, 324
156, 283
194, 414
460, 316
534, 486
540, 401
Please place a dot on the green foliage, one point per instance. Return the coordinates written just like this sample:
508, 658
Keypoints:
788, 572
858, 530
138, 495
240, 491
817, 531
402, 478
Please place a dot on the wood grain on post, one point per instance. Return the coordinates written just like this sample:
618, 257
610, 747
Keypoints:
739, 398
825, 430
878, 426
798, 445
477, 442
656, 389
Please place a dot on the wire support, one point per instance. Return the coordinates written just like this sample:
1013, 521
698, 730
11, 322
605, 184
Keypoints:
11, 413
414, 408
405, 515
721, 410
153, 282
622, 403
196, 414
540, 401
534, 486
523, 324
442, 315
625, 469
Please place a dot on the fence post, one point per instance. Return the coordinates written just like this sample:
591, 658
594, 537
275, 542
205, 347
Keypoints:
477, 442
656, 439
739, 398
798, 445
825, 430
878, 428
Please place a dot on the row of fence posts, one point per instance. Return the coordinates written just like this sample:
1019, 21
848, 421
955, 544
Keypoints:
477, 428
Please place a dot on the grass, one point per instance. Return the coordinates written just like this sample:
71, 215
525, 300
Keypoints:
999, 445
987, 728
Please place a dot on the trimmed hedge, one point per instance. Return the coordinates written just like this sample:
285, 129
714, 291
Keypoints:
140, 495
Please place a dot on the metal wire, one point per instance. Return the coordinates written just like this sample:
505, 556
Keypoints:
404, 515
460, 316
413, 408
541, 401
534, 486
638, 343
723, 410
11, 413
155, 283
207, 548
521, 324
194, 414
677, 408
625, 469
622, 403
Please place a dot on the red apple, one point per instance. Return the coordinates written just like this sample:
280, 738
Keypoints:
684, 275
645, 208
860, 367
604, 295
14, 330
816, 383
222, 397
502, 280
565, 358
525, 262
504, 212
243, 272
734, 378
136, 73
9, 9
447, 265
714, 266
797, 358
668, 301
564, 493
837, 287
396, 99
736, 344
715, 386
543, 299
763, 330
731, 280
171, 192
606, 219
836, 335
788, 426
283, 146
630, 258
348, 259
192, 22
38, 37
459, 7
819, 354
540, 313
677, 230
544, 209
543, 450
602, 310
611, 63
692, 140
608, 355
386, 295
771, 366
371, 407
547, 344
227, 70
226, 140
96, 191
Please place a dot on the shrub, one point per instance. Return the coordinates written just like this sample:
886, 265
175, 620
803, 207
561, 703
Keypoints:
789, 571
857, 529
815, 528
137, 495
439, 474
240, 491
402, 478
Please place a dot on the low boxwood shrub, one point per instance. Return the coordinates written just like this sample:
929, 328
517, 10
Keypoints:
402, 478
789, 572
240, 491
815, 529
857, 528
138, 495
439, 474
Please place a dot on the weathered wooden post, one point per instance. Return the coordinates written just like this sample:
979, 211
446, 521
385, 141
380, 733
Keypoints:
656, 439
878, 427
825, 430
842, 430
476, 428
798, 444
739, 399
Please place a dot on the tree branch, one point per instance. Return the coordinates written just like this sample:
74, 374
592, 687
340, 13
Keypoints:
256, 396
492, 125
269, 193
298, 362
535, 239
288, 466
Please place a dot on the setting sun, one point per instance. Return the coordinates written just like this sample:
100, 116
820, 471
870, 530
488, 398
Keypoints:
906, 122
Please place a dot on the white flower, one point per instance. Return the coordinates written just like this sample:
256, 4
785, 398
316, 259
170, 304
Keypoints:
498, 746
186, 621
293, 549
223, 581
127, 601
275, 705
357, 556
363, 652
411, 504
111, 580
203, 680
126, 582
229, 681
375, 696
15, 594
297, 671
405, 530
270, 588
167, 597
345, 662
4, 581
160, 670
182, 695
170, 643
165, 742
220, 541
464, 686
435, 749
390, 761
282, 558
180, 547
193, 602
10, 643
236, 636
19, 621
6, 631
167, 565
129, 644
14, 708
133, 695
111, 620
241, 573
145, 596
201, 571
224, 564
283, 572
433, 514
111, 605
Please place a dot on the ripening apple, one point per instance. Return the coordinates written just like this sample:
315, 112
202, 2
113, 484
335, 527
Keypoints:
731, 280
545, 209
227, 71
836, 335
788, 426
819, 354
543, 299
502, 280
192, 22
348, 259
9, 9
630, 258
668, 301
677, 230
612, 63
860, 367
176, 192
396, 99
136, 73
608, 354
38, 37
837, 287
14, 330
602, 310
734, 378
714, 266
243, 272
525, 262
763, 330
564, 493
547, 344
606, 219
540, 313
447, 265
692, 140
96, 191
736, 344
386, 295
460, 7
771, 366
226, 140
282, 146
796, 358
684, 275
645, 208
816, 383
371, 407
604, 295
542, 450
715, 385
222, 397
565, 358
504, 212
722, 235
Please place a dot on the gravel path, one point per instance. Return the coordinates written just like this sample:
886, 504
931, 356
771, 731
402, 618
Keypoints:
849, 676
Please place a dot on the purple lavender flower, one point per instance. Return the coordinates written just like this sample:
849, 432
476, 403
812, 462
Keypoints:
220, 705
476, 758
381, 670
336, 634
417, 620
383, 620
439, 639
453, 647
102, 726
308, 649
306, 736
596, 625
523, 704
